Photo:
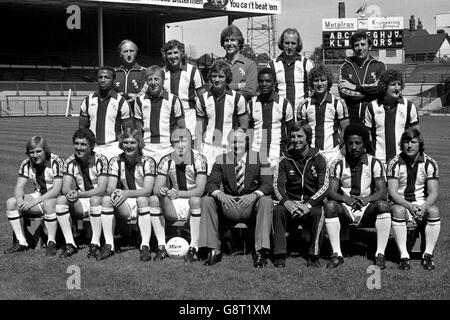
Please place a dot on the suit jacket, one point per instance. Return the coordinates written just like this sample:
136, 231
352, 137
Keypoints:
223, 172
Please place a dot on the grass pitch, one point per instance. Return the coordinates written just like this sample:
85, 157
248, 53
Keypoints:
31, 275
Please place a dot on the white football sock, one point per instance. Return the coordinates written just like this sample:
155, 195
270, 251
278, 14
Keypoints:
400, 233
383, 226
159, 225
432, 230
145, 226
51, 223
194, 222
108, 226
15, 220
95, 218
333, 226
63, 216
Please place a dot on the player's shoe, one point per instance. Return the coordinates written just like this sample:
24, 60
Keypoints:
280, 261
93, 251
145, 254
313, 261
427, 262
191, 255
106, 252
335, 261
17, 247
50, 249
404, 264
380, 261
69, 250
161, 254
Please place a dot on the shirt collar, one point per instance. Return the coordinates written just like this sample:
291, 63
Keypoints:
239, 58
111, 94
327, 99
297, 57
273, 97
135, 66
227, 91
363, 160
177, 161
404, 159
162, 95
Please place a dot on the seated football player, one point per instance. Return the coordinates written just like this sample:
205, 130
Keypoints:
84, 184
357, 195
413, 184
300, 184
45, 170
131, 176
180, 183
245, 197
325, 113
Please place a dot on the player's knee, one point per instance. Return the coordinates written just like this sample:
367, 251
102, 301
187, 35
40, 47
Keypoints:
433, 212
195, 202
383, 206
398, 212
11, 204
106, 202
95, 201
331, 209
49, 205
61, 201
154, 201
142, 202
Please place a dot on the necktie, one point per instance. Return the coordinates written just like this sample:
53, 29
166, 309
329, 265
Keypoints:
240, 176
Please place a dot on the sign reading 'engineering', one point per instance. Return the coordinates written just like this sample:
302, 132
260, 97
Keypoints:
386, 32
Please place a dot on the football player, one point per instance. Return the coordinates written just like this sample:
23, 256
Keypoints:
130, 182
179, 185
413, 183
84, 184
45, 170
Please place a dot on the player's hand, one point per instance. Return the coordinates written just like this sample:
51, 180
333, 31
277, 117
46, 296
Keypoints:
304, 208
163, 191
349, 200
27, 205
118, 197
247, 200
72, 196
293, 207
173, 194
345, 84
227, 201
362, 201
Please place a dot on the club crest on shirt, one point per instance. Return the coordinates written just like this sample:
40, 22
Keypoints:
314, 171
374, 77
242, 71
291, 172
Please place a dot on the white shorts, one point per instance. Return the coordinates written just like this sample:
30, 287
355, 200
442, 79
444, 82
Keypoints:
357, 214
181, 208
132, 208
157, 151
109, 150
36, 195
190, 119
331, 155
86, 203
211, 151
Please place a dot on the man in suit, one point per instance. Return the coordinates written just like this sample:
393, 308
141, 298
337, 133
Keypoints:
247, 185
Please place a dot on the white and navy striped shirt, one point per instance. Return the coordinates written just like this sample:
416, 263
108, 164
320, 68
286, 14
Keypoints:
324, 120
271, 122
292, 78
42, 179
105, 116
412, 178
183, 176
183, 83
86, 178
131, 177
388, 124
358, 181
158, 116
220, 114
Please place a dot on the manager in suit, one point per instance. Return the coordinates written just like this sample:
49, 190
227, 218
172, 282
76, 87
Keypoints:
247, 186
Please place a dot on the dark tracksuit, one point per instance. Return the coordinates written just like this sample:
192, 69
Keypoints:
303, 180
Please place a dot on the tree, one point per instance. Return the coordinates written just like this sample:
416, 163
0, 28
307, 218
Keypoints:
263, 58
